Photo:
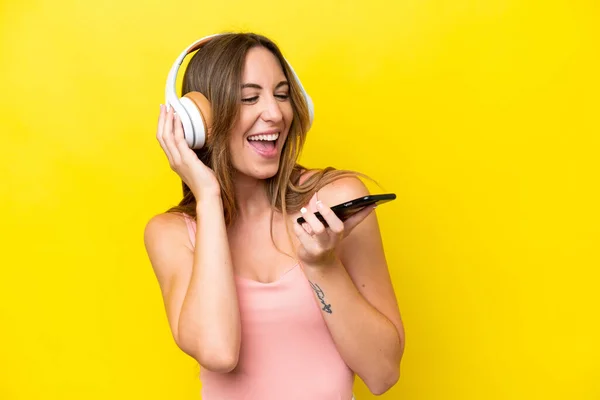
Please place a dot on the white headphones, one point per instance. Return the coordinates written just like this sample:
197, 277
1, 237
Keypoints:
194, 109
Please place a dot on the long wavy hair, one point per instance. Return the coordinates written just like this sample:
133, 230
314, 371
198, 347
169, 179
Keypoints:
216, 71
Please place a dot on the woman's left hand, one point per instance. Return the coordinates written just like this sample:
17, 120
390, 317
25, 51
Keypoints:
317, 243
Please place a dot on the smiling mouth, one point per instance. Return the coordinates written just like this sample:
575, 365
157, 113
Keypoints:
264, 143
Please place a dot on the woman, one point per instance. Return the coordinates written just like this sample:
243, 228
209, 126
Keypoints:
269, 309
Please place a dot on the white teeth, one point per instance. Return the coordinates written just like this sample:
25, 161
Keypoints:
270, 137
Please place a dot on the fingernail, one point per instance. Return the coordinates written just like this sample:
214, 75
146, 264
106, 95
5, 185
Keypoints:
320, 204
303, 210
161, 107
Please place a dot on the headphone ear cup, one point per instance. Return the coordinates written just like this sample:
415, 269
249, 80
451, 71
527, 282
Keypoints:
198, 109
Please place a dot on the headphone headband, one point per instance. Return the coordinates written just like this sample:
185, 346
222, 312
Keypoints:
171, 90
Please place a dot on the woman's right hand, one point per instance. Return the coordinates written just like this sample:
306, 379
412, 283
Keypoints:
201, 180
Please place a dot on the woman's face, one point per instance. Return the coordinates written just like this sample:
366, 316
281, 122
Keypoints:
265, 116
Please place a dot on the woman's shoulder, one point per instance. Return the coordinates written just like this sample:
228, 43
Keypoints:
343, 189
167, 225
339, 190
168, 219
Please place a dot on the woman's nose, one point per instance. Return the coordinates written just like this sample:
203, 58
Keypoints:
272, 110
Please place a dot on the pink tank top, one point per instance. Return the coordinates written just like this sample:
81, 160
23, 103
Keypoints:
286, 350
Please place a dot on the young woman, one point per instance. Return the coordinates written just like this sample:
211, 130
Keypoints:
270, 309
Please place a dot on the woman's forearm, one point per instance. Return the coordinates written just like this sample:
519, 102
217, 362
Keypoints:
210, 315
367, 341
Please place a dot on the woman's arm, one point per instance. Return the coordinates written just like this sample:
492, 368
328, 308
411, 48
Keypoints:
357, 298
198, 285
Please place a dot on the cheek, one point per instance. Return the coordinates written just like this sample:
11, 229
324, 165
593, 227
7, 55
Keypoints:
238, 131
288, 114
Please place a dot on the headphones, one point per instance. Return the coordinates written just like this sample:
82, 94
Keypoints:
194, 109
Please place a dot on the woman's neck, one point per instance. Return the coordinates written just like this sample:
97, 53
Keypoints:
251, 198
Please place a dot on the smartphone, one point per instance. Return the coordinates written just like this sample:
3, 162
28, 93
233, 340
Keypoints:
349, 208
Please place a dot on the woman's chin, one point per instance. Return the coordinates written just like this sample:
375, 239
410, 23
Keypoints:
265, 172
259, 171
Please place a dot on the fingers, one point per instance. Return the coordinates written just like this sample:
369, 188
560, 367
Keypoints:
318, 229
306, 239
312, 203
338, 227
171, 137
161, 121
307, 228
335, 224
168, 138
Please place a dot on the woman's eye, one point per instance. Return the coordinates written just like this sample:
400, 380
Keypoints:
255, 98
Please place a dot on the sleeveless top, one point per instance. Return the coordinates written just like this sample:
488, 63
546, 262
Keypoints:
286, 349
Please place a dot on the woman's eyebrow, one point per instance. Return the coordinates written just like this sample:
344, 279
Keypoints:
256, 86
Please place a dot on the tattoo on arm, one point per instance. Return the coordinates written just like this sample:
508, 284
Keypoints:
321, 296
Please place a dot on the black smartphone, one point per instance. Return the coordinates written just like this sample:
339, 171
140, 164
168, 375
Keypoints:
349, 208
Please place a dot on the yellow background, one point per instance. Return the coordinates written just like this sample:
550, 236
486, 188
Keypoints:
483, 117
